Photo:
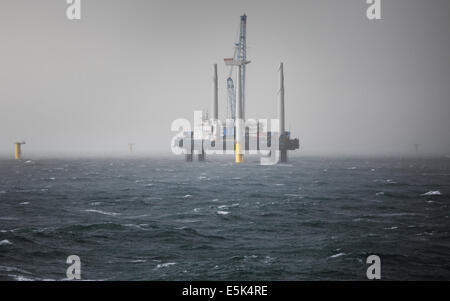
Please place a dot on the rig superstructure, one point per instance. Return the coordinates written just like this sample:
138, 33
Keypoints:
236, 132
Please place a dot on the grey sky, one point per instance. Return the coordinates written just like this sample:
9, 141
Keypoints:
129, 68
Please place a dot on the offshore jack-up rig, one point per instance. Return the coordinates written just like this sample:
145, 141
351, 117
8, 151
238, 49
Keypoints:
238, 133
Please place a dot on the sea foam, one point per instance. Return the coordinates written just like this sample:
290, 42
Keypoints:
432, 192
5, 242
102, 212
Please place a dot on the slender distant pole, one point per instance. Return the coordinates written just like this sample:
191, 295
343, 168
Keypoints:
215, 103
281, 100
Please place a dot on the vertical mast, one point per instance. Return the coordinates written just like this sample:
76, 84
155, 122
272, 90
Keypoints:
281, 100
239, 122
242, 56
215, 100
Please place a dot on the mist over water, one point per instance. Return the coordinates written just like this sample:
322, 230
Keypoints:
126, 70
165, 219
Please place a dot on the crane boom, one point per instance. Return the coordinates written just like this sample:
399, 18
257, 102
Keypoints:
239, 58
231, 99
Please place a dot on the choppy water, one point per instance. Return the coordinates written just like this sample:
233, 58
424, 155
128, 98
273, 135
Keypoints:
164, 219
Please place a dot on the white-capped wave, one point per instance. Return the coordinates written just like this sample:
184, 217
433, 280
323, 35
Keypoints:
391, 228
268, 260
221, 212
165, 265
102, 212
134, 226
432, 192
20, 278
5, 242
337, 255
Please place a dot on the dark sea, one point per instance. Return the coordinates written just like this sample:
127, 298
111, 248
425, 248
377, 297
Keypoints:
165, 219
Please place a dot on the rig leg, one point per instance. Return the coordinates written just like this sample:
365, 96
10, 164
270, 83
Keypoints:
190, 156
201, 156
283, 155
239, 158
